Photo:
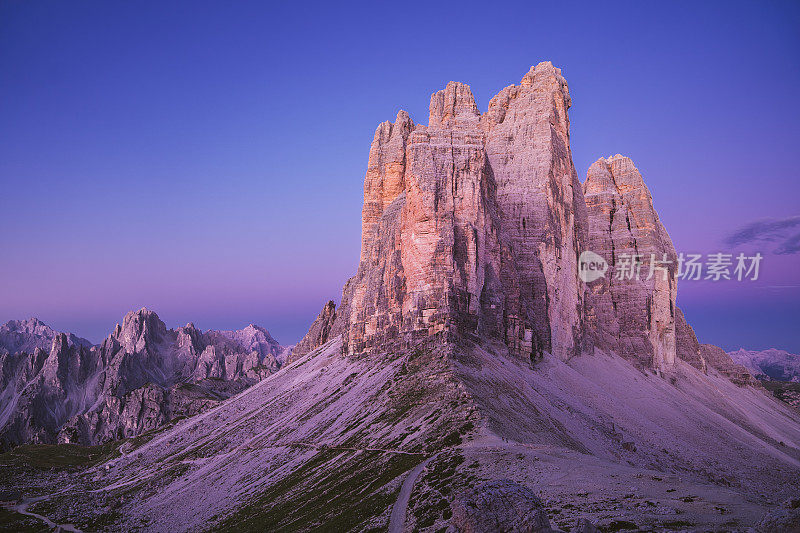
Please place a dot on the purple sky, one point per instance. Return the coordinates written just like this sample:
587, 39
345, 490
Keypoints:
206, 160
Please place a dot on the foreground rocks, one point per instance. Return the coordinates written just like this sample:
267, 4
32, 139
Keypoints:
499, 506
785, 519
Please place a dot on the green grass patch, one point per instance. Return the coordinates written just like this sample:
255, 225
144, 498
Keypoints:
59, 456
677, 524
13, 521
334, 490
783, 390
618, 525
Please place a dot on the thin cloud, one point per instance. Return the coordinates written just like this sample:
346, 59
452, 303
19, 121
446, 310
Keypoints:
790, 245
769, 230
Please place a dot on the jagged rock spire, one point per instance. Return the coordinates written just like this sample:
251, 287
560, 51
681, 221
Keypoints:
453, 106
633, 316
385, 179
140, 329
318, 333
471, 225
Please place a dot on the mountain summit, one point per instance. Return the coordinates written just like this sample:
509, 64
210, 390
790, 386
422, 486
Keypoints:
472, 227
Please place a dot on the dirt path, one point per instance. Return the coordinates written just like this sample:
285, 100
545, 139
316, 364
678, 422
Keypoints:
22, 508
398, 518
386, 450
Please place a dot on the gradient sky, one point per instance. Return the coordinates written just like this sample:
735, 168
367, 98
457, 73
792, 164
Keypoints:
206, 159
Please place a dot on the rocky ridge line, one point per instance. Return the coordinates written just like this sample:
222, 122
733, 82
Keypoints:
55, 387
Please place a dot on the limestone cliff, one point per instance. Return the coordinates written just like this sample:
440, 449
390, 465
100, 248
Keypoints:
317, 334
631, 310
722, 362
471, 226
543, 215
687, 346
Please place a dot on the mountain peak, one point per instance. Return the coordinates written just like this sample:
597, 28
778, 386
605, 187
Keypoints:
28, 335
453, 105
636, 318
253, 337
772, 363
472, 228
31, 325
140, 329
615, 173
444, 206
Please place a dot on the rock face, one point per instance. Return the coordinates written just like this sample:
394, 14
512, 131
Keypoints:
632, 310
542, 210
471, 226
686, 345
145, 408
317, 334
717, 358
57, 386
499, 506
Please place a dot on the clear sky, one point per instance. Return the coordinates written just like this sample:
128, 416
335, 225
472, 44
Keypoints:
206, 159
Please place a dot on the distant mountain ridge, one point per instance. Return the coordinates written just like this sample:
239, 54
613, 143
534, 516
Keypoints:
773, 363
57, 387
27, 335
